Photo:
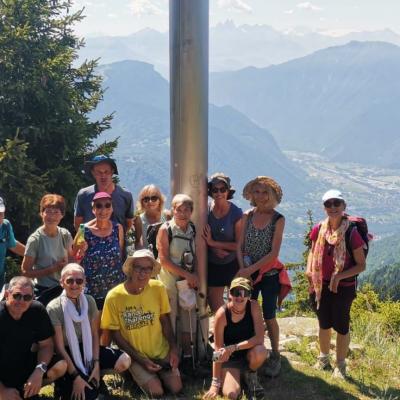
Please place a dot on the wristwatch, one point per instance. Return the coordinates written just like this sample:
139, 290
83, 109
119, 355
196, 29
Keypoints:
42, 366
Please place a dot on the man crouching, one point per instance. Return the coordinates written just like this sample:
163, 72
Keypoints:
137, 314
26, 344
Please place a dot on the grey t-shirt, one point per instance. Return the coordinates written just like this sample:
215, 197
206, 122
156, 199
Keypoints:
54, 309
46, 251
223, 230
122, 200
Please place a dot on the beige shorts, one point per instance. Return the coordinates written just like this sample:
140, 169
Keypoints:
141, 375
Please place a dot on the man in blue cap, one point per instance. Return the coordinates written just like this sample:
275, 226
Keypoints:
102, 168
7, 241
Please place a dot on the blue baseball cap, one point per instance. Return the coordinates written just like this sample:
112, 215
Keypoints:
101, 158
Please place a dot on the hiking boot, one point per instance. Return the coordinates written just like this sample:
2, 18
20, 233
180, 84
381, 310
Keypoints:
340, 371
256, 391
273, 366
323, 364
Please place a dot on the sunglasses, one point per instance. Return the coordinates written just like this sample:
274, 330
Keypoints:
20, 296
144, 270
153, 199
100, 206
240, 292
333, 203
221, 190
71, 281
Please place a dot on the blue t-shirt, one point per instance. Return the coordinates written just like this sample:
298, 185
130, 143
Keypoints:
122, 201
7, 241
223, 230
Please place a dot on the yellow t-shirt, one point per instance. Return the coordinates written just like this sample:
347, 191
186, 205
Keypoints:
137, 317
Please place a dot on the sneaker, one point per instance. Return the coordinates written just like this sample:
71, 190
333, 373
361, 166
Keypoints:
273, 366
340, 371
254, 387
323, 364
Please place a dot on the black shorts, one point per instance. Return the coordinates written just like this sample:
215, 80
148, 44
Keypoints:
222, 274
334, 308
237, 360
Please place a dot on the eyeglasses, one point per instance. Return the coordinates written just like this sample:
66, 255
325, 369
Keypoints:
239, 292
153, 199
143, 270
20, 296
333, 203
221, 190
100, 206
71, 281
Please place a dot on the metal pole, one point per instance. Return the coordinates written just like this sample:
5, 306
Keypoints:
188, 29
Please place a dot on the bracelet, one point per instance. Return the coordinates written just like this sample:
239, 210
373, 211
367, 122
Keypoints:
74, 375
236, 347
216, 382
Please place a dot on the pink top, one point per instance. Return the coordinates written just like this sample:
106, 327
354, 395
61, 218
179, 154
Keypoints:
356, 241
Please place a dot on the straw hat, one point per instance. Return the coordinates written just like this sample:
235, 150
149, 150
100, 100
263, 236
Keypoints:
265, 180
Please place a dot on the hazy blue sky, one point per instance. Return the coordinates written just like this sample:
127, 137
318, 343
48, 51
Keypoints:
121, 17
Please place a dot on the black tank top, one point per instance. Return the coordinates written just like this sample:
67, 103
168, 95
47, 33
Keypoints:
236, 332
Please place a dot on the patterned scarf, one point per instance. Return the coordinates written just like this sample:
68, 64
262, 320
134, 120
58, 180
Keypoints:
335, 238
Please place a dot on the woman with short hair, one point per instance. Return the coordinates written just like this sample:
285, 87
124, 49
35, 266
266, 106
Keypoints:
48, 249
332, 272
102, 250
222, 236
75, 318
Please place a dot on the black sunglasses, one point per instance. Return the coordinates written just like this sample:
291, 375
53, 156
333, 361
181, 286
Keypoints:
100, 206
143, 270
239, 292
71, 281
20, 296
153, 199
221, 190
333, 203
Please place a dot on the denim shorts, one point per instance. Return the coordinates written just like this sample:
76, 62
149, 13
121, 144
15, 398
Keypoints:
269, 287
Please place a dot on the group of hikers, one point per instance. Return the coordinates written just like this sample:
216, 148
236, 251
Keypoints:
121, 295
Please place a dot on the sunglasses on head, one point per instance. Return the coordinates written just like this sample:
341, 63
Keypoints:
239, 292
153, 199
71, 281
333, 203
143, 270
221, 190
20, 296
100, 206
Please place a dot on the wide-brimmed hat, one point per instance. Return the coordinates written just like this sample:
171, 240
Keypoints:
332, 194
2, 205
217, 178
242, 283
101, 158
265, 180
142, 253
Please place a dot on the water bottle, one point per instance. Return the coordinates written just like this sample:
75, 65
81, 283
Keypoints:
80, 235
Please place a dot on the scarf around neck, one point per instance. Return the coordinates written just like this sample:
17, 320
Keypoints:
71, 315
335, 238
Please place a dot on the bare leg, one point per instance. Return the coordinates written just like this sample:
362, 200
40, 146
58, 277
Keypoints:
256, 356
342, 346
324, 340
56, 371
215, 298
172, 381
231, 383
153, 387
123, 363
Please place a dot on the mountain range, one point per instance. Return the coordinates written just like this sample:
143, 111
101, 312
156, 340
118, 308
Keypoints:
341, 102
139, 96
232, 46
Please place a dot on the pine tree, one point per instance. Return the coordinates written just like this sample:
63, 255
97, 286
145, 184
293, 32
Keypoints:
45, 102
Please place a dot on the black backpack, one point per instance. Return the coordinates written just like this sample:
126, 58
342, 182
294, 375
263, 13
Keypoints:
152, 232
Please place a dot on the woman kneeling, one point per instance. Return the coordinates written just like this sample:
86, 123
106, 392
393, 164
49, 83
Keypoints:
75, 318
239, 343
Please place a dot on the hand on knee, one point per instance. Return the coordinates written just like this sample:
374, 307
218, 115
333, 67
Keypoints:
123, 363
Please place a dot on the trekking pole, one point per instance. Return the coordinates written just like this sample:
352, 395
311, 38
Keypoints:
191, 338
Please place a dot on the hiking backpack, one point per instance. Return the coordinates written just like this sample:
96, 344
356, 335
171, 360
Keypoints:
152, 231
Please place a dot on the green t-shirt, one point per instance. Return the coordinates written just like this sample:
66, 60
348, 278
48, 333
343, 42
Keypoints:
54, 309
